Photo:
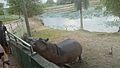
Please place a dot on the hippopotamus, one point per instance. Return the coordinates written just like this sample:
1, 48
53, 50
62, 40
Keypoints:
65, 52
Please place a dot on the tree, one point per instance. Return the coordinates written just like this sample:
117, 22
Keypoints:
1, 9
26, 18
60, 2
79, 4
50, 2
28, 8
112, 7
33, 7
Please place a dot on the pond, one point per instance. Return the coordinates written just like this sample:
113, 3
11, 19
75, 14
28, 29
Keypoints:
93, 21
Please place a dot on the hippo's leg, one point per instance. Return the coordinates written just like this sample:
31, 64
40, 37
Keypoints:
76, 60
80, 59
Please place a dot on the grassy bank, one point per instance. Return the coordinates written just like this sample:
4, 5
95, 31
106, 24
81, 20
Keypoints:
6, 18
54, 33
50, 33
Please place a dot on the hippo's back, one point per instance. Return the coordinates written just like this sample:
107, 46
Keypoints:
70, 46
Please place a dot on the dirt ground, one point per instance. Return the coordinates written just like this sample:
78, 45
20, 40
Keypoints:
100, 50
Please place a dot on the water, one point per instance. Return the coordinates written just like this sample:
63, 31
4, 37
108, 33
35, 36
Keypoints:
94, 21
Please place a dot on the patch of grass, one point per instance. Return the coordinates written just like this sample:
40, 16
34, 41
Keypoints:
109, 34
49, 33
6, 18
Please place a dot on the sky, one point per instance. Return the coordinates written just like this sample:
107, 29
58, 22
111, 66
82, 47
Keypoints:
5, 3
1, 1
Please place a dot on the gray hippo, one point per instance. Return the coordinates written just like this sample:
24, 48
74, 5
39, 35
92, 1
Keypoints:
62, 53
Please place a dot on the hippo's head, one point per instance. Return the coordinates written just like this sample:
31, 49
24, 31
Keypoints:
40, 45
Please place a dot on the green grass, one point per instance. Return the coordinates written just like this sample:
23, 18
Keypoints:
6, 18
49, 33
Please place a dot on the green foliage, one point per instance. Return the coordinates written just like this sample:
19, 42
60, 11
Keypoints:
1, 9
1, 12
1, 5
50, 2
15, 7
112, 6
8, 17
77, 4
85, 3
34, 7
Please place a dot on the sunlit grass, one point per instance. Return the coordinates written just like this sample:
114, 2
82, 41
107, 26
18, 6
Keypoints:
49, 33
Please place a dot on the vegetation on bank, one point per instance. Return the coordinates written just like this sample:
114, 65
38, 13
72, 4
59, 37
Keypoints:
55, 33
33, 7
49, 33
6, 18
112, 7
1, 9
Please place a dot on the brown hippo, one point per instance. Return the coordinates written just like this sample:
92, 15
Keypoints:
62, 53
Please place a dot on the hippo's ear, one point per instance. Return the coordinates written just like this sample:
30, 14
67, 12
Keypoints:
46, 40
40, 39
34, 43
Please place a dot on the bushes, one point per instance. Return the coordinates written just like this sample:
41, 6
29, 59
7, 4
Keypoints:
1, 12
34, 7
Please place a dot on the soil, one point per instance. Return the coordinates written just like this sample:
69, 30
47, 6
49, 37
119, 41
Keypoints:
100, 50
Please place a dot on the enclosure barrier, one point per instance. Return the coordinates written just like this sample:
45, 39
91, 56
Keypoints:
24, 54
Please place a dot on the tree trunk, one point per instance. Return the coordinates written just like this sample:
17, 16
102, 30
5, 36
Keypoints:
26, 18
81, 16
119, 29
119, 26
